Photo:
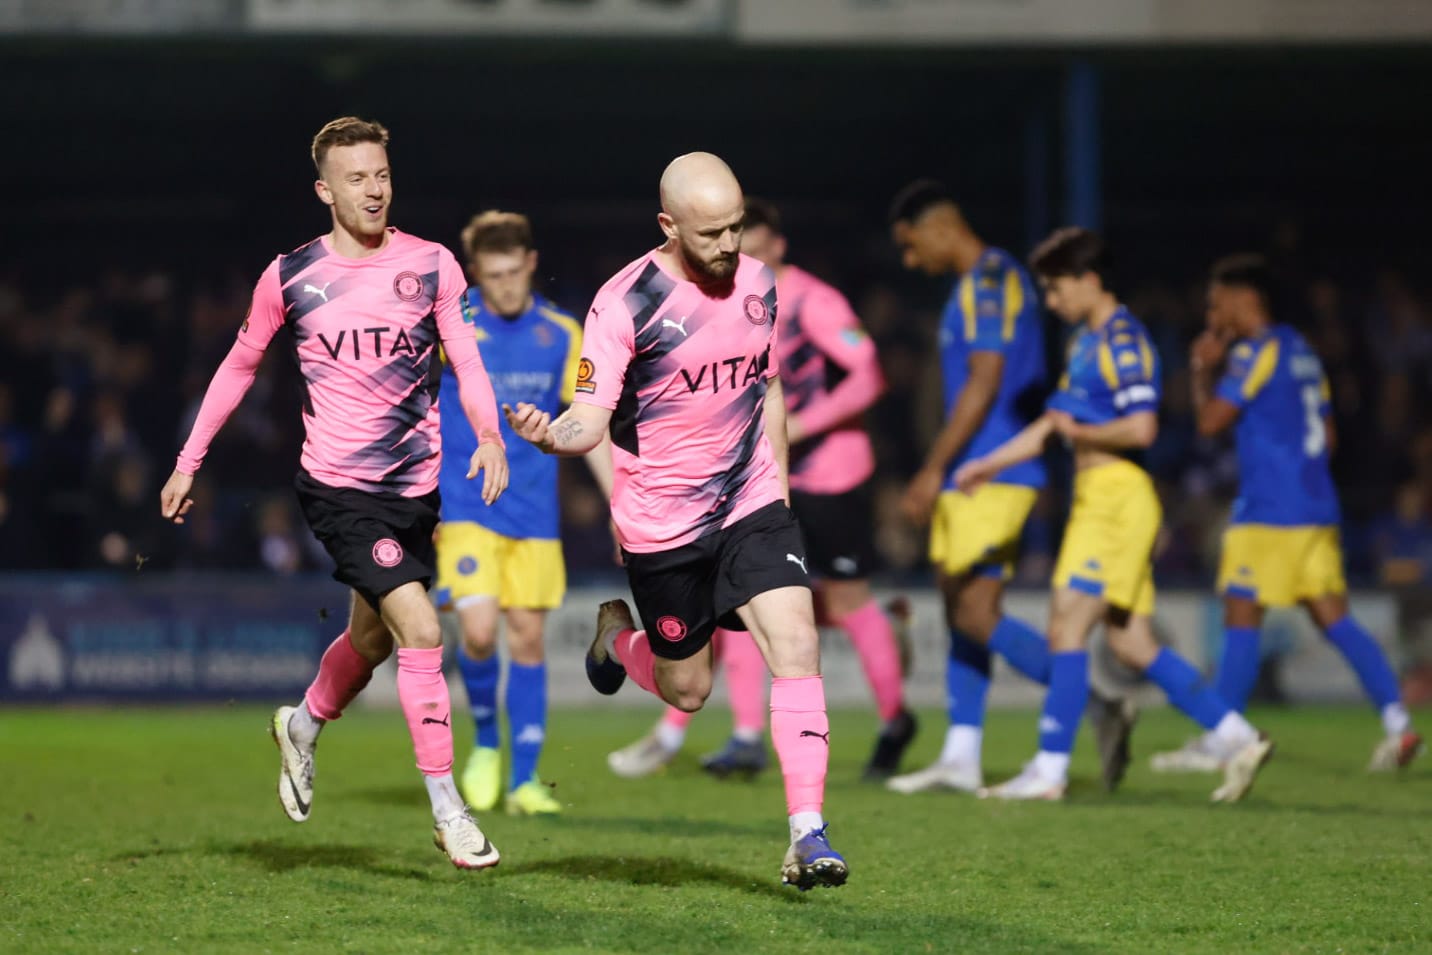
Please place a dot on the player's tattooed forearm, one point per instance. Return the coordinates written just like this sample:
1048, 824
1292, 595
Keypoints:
564, 433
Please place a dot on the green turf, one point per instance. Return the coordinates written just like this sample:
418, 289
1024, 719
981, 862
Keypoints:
158, 831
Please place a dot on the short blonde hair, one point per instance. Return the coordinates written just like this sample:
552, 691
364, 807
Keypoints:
346, 131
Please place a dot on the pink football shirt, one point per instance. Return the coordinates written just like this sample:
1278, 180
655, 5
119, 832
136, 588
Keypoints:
685, 377
365, 332
830, 374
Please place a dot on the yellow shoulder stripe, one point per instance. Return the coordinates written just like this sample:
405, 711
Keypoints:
1013, 302
1264, 364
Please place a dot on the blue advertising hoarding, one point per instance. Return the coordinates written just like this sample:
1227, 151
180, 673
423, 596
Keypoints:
163, 637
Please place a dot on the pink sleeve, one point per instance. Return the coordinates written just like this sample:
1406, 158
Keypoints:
236, 373
608, 346
773, 356
474, 388
831, 325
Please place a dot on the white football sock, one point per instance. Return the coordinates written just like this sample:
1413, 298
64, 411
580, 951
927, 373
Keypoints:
442, 792
1232, 733
1053, 767
669, 737
803, 822
304, 727
1395, 719
962, 745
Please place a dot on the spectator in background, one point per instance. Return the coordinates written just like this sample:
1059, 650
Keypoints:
280, 544
1403, 540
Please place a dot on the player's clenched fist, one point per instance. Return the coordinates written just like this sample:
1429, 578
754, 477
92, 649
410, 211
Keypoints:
531, 423
174, 500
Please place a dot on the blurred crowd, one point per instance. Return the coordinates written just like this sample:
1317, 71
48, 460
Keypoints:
99, 384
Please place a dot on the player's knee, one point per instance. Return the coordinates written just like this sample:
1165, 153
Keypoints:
688, 691
797, 652
1066, 635
373, 643
525, 647
975, 619
423, 636
479, 644
1125, 646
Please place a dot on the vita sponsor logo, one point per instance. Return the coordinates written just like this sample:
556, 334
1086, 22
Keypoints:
725, 372
398, 345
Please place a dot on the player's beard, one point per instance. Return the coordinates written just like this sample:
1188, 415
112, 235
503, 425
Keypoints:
720, 273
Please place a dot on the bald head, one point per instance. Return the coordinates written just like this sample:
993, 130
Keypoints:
702, 209
699, 184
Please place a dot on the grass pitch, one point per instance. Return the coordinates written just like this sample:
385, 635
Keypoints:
158, 831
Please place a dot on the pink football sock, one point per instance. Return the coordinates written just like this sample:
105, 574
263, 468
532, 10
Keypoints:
634, 653
745, 680
423, 693
677, 719
801, 734
342, 674
874, 641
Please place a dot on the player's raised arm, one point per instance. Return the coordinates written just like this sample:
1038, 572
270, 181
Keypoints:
575, 432
227, 388
1213, 412
608, 347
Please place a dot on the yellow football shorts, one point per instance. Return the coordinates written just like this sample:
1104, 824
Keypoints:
980, 531
523, 572
1109, 541
1279, 566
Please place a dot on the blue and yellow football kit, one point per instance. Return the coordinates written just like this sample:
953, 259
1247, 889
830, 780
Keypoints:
510, 550
993, 308
1109, 541
1283, 544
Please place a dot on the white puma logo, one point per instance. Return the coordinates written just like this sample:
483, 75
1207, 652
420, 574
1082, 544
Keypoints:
799, 561
320, 292
679, 326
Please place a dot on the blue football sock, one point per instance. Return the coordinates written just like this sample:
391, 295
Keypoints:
1064, 703
1238, 666
480, 677
1367, 661
526, 718
1024, 647
967, 680
1185, 689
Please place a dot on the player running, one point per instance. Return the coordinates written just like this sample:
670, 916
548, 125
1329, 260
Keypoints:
830, 376
679, 363
1282, 548
365, 305
993, 371
1106, 409
505, 559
